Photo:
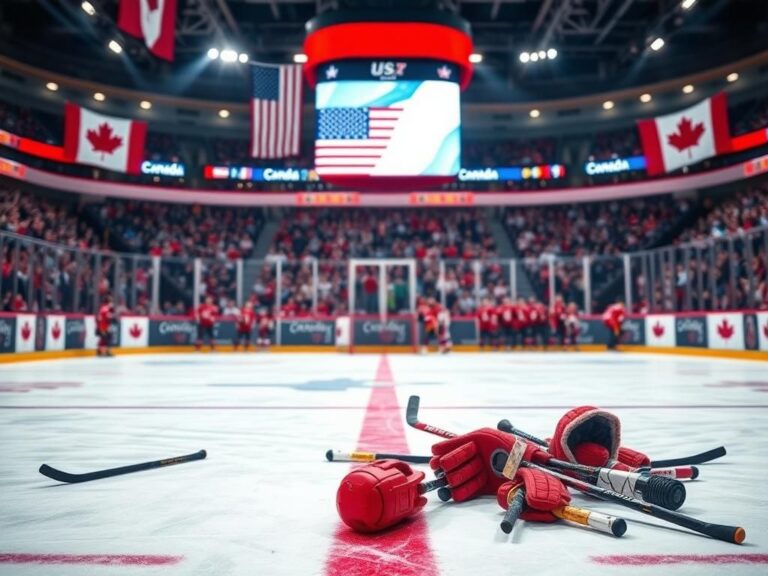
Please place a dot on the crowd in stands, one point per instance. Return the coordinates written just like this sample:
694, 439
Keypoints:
479, 153
749, 116
615, 144
36, 125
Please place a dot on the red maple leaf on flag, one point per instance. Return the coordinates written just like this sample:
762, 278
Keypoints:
56, 331
152, 5
103, 140
725, 329
135, 331
26, 331
765, 329
687, 135
658, 330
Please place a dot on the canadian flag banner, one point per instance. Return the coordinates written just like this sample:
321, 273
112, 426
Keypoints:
55, 332
726, 331
660, 330
103, 141
762, 330
686, 137
154, 21
25, 332
134, 332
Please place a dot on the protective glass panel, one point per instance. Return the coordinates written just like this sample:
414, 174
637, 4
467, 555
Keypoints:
176, 285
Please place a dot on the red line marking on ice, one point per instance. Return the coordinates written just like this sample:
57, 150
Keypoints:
92, 559
404, 550
664, 559
328, 407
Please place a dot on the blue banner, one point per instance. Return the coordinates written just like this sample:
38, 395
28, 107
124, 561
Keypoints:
614, 165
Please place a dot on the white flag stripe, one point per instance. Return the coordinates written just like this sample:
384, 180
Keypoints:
359, 171
272, 111
287, 77
331, 152
379, 143
256, 124
297, 110
280, 113
388, 123
346, 161
264, 134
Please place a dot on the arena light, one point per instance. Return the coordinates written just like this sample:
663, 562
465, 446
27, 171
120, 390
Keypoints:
213, 53
608, 105
99, 97
525, 57
114, 45
551, 53
228, 56
243, 58
224, 113
542, 54
88, 8
688, 88
534, 57
645, 98
145, 104
52, 86
657, 44
687, 4
732, 77
300, 58
475, 58
534, 113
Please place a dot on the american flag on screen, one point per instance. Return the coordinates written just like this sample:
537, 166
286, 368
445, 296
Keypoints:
353, 140
275, 111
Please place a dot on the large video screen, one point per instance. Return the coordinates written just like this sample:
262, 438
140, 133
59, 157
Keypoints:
385, 119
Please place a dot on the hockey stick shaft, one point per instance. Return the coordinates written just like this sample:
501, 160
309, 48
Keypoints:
359, 456
600, 522
68, 478
516, 504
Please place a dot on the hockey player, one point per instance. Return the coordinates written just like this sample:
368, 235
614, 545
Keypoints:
266, 326
572, 324
444, 330
488, 324
613, 318
507, 323
523, 319
557, 321
428, 317
245, 320
205, 316
104, 319
541, 327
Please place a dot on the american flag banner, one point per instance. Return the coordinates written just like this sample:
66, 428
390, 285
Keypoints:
275, 111
351, 141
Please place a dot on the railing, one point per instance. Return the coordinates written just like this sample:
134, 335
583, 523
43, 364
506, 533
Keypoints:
718, 274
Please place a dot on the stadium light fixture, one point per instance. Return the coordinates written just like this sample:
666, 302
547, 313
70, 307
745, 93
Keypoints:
657, 44
228, 56
732, 77
213, 53
542, 54
475, 58
525, 57
52, 86
243, 58
224, 113
688, 88
534, 57
687, 4
645, 98
608, 105
534, 113
114, 45
551, 53
88, 8
300, 58
145, 104
99, 97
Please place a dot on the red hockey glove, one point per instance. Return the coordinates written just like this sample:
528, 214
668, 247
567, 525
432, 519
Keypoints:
473, 462
633, 458
379, 495
543, 493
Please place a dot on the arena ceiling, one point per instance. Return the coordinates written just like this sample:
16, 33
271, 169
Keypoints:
601, 44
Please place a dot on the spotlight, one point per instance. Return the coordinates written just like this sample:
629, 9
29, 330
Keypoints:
145, 104
228, 56
223, 113
686, 4
99, 97
88, 8
534, 113
52, 86
608, 105
732, 77
524, 57
213, 53
645, 98
534, 57
243, 58
542, 54
688, 88
475, 58
551, 53
300, 58
657, 44
114, 45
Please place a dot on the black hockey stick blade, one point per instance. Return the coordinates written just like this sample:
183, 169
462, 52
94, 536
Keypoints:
68, 478
702, 458
412, 411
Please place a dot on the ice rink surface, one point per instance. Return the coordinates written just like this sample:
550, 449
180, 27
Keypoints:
263, 502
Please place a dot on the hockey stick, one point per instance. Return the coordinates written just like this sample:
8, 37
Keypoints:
60, 476
506, 426
661, 490
515, 507
339, 456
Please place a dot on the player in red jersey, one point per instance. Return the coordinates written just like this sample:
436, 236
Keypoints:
488, 323
613, 318
206, 315
443, 330
572, 324
507, 323
427, 313
541, 324
266, 326
245, 320
104, 319
557, 320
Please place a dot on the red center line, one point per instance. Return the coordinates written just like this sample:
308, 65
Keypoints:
92, 559
663, 559
403, 550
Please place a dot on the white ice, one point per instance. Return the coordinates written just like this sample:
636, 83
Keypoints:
263, 502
